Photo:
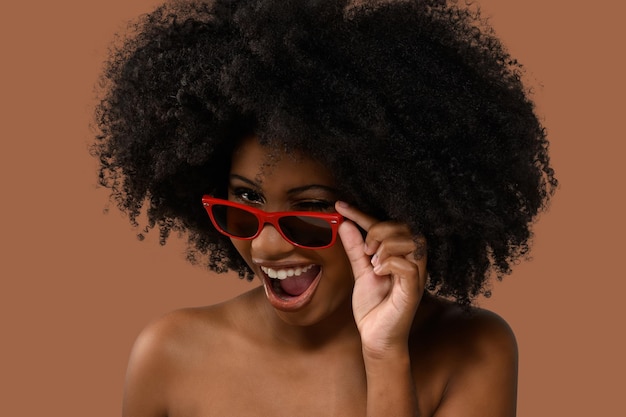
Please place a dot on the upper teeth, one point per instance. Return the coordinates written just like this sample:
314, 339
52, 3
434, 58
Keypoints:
284, 273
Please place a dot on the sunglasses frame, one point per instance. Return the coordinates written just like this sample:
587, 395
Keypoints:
264, 217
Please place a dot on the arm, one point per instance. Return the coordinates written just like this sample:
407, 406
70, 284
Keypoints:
483, 377
389, 269
390, 386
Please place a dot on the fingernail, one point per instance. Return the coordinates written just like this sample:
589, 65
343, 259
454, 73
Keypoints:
343, 204
374, 260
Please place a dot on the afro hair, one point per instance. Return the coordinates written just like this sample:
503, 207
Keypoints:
415, 107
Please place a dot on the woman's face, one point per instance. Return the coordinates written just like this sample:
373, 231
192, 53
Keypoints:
315, 283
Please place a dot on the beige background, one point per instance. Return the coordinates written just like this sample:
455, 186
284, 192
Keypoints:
76, 285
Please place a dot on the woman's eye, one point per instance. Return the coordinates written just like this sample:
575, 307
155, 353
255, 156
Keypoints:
247, 196
315, 205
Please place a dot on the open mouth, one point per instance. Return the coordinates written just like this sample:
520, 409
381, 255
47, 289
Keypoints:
291, 288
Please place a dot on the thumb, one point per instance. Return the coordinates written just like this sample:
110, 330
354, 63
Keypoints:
354, 246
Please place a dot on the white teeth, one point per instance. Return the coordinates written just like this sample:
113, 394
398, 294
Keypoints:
284, 273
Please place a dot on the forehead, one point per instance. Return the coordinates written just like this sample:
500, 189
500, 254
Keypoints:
264, 164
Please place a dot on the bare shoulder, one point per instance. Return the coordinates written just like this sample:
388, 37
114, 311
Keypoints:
478, 331
170, 349
180, 332
472, 354
157, 356
175, 334
464, 331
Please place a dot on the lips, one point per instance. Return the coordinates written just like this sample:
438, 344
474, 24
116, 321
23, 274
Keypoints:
292, 288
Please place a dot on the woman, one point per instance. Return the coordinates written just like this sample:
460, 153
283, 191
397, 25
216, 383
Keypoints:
372, 164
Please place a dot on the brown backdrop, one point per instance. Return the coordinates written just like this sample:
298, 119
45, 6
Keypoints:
77, 286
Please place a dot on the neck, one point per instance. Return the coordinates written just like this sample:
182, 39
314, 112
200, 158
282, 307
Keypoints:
335, 330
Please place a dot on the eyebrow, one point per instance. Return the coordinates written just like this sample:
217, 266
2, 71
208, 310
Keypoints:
244, 179
295, 190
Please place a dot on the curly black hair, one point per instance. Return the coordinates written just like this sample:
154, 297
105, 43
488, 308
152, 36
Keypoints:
415, 106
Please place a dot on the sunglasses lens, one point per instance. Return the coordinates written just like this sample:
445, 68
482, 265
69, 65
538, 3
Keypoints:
306, 231
235, 221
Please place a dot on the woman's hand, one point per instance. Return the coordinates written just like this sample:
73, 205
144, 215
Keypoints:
389, 269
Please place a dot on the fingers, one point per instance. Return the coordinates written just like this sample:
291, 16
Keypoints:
364, 221
353, 245
398, 237
406, 273
384, 241
389, 247
352, 239
396, 257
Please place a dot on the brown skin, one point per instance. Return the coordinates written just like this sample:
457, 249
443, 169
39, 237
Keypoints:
370, 341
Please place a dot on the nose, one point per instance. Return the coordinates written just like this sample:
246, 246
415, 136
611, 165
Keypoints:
270, 244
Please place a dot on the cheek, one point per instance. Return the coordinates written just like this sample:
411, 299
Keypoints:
243, 248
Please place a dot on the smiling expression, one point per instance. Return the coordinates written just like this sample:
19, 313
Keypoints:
304, 286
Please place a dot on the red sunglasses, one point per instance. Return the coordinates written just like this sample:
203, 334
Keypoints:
300, 228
